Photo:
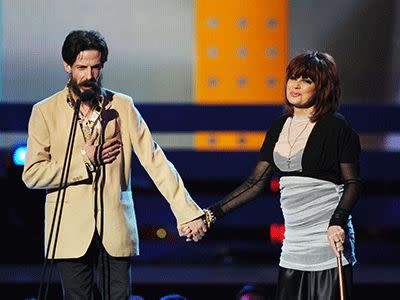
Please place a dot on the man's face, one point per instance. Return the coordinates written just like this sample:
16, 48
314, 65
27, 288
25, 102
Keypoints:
85, 72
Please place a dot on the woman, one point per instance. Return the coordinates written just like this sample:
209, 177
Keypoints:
316, 154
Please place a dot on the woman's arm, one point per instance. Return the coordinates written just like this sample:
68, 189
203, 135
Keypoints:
351, 194
248, 190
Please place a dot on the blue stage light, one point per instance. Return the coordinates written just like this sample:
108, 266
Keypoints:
19, 155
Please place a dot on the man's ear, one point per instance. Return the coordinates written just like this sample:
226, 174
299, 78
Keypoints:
67, 68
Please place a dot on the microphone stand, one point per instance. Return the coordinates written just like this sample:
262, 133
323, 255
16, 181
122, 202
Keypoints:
60, 199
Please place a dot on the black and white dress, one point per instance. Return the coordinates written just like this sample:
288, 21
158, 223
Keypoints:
318, 166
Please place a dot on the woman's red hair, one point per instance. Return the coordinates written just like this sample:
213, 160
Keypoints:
320, 67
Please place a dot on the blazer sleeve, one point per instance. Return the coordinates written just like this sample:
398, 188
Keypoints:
160, 169
41, 169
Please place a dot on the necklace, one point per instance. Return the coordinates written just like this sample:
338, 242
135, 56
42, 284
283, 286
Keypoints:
89, 119
288, 160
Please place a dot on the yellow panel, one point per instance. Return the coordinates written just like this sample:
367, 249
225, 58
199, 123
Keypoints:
241, 51
228, 140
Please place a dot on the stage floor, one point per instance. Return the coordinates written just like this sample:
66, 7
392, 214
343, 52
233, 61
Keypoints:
195, 281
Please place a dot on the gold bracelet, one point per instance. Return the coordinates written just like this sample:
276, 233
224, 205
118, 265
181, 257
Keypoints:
210, 218
207, 220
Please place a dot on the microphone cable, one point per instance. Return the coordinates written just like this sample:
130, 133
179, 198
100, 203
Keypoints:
61, 194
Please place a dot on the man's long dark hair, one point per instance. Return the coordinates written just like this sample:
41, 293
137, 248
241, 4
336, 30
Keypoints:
81, 40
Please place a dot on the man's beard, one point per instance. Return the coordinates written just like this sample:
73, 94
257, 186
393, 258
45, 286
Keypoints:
94, 84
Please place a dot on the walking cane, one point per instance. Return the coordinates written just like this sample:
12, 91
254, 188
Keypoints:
340, 271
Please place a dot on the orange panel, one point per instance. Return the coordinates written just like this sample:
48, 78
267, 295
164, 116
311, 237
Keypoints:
228, 140
241, 51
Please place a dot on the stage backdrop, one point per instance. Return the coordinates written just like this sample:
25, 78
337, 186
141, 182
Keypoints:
153, 44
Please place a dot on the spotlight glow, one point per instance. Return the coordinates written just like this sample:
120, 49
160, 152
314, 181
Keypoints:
161, 233
19, 155
276, 233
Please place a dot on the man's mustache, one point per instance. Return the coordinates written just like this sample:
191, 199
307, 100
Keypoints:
89, 83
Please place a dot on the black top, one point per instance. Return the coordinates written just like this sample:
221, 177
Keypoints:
331, 153
331, 142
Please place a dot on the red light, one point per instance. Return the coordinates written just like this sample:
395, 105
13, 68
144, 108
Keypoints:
276, 233
274, 185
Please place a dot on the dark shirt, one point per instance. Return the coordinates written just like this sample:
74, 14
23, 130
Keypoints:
331, 142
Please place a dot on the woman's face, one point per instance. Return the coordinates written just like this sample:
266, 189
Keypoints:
300, 92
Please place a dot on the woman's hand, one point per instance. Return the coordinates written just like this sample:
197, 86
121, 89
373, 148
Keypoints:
336, 237
193, 230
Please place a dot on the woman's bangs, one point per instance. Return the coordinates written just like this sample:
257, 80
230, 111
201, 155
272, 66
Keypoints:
304, 71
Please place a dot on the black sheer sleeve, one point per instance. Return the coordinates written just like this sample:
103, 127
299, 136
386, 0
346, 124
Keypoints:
351, 194
247, 191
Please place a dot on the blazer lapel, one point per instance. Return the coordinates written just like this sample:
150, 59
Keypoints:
67, 113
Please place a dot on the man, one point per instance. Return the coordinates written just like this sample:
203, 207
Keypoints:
97, 230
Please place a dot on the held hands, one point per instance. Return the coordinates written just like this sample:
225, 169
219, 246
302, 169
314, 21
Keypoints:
193, 230
102, 154
336, 237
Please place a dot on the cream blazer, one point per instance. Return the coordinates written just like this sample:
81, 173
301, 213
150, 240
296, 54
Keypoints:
101, 200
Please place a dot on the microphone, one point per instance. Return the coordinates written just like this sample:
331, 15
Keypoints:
86, 97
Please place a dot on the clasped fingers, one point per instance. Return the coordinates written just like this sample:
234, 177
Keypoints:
193, 230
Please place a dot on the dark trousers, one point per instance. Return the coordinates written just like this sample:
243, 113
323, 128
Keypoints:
96, 275
318, 285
